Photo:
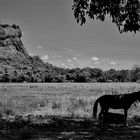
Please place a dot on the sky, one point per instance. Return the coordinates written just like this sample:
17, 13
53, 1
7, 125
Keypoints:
51, 31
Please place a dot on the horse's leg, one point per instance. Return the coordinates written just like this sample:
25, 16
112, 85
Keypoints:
106, 116
101, 117
125, 117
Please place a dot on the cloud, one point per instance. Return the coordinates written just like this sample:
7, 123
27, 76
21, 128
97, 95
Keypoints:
62, 64
39, 47
69, 60
57, 56
74, 58
94, 58
113, 63
45, 57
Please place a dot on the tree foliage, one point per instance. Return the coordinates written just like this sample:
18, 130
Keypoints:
124, 13
35, 70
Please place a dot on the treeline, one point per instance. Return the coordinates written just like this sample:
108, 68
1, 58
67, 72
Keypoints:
38, 71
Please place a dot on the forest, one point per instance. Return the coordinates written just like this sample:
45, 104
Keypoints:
35, 70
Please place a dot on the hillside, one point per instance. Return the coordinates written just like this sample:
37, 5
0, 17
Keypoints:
15, 62
16, 65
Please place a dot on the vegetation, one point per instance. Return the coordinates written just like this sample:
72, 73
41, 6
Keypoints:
35, 70
124, 13
18, 66
67, 100
60, 110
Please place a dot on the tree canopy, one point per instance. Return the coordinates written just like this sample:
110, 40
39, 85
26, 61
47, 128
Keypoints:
124, 13
35, 70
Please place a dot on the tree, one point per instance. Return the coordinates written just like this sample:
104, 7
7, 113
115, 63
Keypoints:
124, 13
135, 73
124, 76
111, 75
6, 76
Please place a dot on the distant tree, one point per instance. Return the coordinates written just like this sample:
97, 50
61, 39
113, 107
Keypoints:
6, 76
80, 77
48, 77
124, 13
123, 76
87, 74
111, 75
135, 73
96, 74
2, 72
70, 77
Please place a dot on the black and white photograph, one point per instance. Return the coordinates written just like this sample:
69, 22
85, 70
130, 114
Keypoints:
69, 69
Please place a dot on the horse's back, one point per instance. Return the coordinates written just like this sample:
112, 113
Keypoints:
112, 101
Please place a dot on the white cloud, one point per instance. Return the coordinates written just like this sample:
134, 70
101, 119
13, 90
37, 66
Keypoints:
69, 60
74, 58
31, 54
113, 63
62, 64
39, 47
45, 57
94, 58
57, 56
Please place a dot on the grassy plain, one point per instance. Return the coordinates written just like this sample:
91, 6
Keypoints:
41, 111
74, 100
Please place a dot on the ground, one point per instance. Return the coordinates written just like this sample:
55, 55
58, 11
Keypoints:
63, 111
58, 128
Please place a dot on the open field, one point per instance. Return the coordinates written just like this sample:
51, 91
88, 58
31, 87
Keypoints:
42, 111
65, 99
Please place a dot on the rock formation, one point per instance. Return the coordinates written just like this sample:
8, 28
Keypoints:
10, 39
11, 46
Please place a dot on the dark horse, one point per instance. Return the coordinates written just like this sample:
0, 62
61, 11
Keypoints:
121, 101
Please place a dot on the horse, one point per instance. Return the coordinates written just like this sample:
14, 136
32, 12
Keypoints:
120, 101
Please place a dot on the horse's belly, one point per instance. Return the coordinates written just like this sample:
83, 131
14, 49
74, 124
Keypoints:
117, 105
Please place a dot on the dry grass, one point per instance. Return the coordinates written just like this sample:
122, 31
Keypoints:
66, 100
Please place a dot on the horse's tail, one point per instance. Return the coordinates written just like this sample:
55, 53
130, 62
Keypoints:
95, 108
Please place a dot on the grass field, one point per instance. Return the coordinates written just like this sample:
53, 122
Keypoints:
74, 100
40, 111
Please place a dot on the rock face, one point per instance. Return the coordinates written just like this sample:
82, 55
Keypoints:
10, 39
11, 46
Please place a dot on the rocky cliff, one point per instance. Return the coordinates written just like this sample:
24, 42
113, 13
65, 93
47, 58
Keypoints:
11, 46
